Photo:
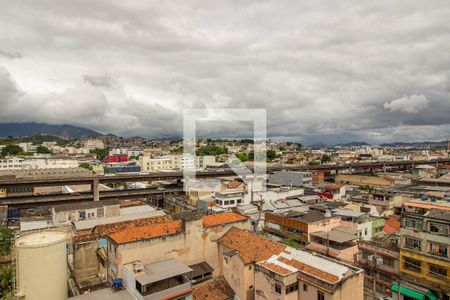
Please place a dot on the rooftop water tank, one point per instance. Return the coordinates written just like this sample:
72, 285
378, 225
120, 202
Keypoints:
41, 270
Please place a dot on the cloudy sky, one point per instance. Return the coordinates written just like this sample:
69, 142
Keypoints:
326, 71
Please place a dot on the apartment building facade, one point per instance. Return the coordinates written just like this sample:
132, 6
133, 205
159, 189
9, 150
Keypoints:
299, 225
259, 268
425, 246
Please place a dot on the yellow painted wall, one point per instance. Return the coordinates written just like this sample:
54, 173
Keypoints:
424, 272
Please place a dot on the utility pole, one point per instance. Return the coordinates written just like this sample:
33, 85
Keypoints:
376, 260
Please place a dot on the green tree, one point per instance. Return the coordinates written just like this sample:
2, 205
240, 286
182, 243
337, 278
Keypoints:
211, 150
290, 242
314, 163
242, 156
6, 236
23, 153
251, 155
11, 150
325, 158
271, 155
43, 150
6, 276
85, 165
100, 153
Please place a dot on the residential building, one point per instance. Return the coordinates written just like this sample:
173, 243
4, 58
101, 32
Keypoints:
28, 147
318, 177
298, 225
340, 243
92, 144
333, 191
116, 158
359, 221
295, 274
228, 199
259, 268
388, 270
11, 163
50, 163
149, 162
362, 180
291, 178
178, 238
386, 202
166, 279
425, 245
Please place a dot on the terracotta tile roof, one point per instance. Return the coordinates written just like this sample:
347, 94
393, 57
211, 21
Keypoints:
392, 225
333, 186
215, 289
146, 232
317, 273
250, 247
233, 184
222, 218
275, 268
106, 229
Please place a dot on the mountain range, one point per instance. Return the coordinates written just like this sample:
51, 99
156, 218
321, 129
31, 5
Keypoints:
33, 128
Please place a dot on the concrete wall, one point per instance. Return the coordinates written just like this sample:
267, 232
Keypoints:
195, 245
364, 180
265, 288
85, 261
325, 225
352, 288
233, 272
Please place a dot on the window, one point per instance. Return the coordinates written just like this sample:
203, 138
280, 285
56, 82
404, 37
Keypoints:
379, 229
305, 287
413, 243
438, 228
320, 295
385, 277
365, 231
292, 288
412, 264
388, 262
435, 270
412, 223
278, 288
438, 249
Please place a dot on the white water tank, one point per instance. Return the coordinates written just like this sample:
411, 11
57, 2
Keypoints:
41, 271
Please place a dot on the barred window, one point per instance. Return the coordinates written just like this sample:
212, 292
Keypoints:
412, 264
435, 270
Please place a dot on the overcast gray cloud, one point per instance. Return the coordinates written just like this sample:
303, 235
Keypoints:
325, 71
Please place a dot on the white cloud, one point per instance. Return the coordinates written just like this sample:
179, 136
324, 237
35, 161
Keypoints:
410, 104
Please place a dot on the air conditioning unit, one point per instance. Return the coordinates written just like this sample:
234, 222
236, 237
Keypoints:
138, 267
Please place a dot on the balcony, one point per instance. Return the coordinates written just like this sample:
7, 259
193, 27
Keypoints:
177, 289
